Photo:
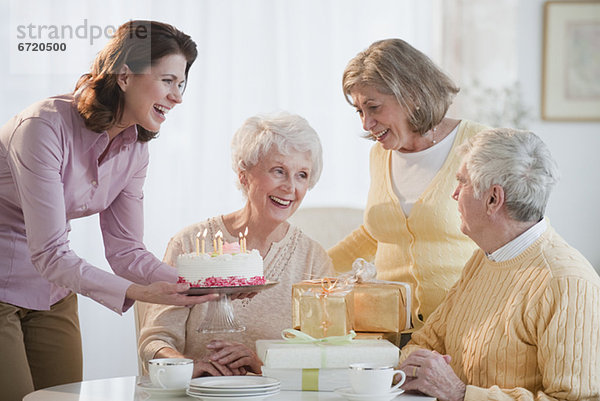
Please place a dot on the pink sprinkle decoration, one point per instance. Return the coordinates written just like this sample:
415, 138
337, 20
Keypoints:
231, 281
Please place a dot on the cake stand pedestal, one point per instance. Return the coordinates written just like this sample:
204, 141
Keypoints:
220, 316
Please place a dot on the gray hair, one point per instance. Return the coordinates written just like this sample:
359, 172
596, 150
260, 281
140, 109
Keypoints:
520, 162
393, 67
284, 131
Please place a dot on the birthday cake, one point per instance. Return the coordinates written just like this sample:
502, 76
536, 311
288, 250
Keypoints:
228, 267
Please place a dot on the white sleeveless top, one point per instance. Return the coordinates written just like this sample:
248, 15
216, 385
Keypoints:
412, 172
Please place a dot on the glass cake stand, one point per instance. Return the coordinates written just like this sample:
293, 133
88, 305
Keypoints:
220, 316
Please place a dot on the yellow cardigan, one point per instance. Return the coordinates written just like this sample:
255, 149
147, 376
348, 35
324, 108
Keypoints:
427, 249
524, 329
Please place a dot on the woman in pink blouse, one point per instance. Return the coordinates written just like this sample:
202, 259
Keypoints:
72, 156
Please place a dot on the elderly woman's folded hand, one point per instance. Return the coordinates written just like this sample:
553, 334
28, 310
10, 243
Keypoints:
236, 356
205, 367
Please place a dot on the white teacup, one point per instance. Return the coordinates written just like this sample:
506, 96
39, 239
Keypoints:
370, 378
170, 372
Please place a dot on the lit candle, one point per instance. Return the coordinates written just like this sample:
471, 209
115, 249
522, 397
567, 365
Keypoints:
198, 244
241, 243
220, 242
244, 239
204, 239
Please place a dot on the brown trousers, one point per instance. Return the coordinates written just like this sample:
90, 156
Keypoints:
39, 349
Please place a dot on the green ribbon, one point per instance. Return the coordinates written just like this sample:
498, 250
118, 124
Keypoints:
297, 337
310, 379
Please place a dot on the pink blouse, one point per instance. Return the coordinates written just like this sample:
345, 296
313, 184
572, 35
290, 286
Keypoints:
49, 174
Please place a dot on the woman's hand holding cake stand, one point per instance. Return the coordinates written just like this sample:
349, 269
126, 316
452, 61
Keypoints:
165, 293
243, 295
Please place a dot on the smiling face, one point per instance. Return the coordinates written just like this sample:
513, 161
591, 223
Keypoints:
386, 121
276, 185
151, 94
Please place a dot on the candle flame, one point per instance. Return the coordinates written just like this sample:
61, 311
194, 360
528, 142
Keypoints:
246, 231
219, 234
204, 233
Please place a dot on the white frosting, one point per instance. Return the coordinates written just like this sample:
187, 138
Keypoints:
197, 268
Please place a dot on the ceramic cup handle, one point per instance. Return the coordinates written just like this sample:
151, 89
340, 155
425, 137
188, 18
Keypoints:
161, 371
401, 382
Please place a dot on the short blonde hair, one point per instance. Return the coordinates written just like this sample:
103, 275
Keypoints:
286, 132
393, 67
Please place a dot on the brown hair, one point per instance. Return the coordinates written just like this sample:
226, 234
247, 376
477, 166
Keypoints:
393, 67
137, 44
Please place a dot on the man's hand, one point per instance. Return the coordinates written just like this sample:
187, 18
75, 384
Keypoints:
430, 373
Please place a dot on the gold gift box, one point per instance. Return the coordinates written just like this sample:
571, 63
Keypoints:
297, 290
381, 307
394, 338
376, 307
325, 313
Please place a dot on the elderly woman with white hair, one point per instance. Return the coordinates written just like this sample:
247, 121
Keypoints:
277, 158
522, 322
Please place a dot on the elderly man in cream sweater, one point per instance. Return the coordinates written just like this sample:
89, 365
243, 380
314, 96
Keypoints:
522, 322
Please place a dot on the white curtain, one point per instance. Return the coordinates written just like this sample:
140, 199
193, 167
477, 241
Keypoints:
254, 56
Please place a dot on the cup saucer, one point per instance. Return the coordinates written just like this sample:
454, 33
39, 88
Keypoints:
159, 391
350, 395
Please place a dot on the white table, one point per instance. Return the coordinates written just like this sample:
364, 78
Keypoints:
125, 389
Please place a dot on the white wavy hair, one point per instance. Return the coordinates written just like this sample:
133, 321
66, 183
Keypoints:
286, 132
520, 162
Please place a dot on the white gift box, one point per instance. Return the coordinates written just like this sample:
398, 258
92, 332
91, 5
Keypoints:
309, 379
281, 354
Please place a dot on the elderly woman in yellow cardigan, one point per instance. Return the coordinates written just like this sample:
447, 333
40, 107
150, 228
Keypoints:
522, 322
411, 225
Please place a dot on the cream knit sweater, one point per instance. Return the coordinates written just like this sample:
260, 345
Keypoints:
295, 258
524, 329
425, 249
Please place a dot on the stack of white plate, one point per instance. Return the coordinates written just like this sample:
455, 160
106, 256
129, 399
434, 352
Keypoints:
231, 388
